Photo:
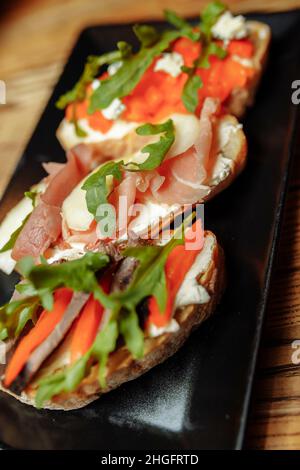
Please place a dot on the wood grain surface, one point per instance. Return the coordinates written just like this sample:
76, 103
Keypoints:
274, 421
36, 37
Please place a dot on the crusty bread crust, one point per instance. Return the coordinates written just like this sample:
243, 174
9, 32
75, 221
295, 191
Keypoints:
235, 151
241, 98
122, 367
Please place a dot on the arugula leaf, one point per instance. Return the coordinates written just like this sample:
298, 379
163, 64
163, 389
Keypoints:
174, 19
25, 266
3, 334
132, 333
190, 95
26, 313
78, 92
129, 75
146, 34
15, 315
31, 195
12, 240
96, 185
210, 16
125, 50
26, 289
157, 150
181, 23
91, 69
63, 381
160, 292
104, 344
79, 275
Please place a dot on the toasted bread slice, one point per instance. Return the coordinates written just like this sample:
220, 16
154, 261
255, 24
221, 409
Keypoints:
122, 367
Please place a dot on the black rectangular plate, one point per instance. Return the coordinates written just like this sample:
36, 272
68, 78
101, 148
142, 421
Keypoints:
198, 398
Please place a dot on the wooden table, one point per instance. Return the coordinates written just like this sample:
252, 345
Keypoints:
36, 38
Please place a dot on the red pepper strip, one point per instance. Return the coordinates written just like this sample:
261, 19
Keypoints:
242, 48
44, 326
178, 263
86, 328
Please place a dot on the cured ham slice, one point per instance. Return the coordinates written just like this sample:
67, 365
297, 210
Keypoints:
204, 140
52, 168
182, 178
44, 224
66, 179
149, 180
88, 237
123, 197
127, 189
42, 227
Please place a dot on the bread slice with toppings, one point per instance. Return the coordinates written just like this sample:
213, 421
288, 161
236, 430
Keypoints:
224, 165
122, 367
121, 139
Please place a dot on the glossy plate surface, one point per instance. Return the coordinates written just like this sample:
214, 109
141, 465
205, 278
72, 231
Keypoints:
198, 398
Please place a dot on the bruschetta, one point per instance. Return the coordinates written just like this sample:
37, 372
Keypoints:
175, 171
222, 57
79, 349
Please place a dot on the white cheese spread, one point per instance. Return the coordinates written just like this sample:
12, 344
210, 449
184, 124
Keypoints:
230, 27
114, 110
171, 63
118, 131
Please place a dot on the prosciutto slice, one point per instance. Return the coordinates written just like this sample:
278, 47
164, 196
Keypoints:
88, 237
181, 179
52, 168
42, 227
123, 198
44, 224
